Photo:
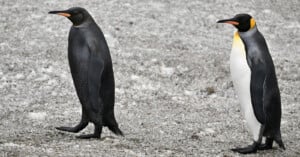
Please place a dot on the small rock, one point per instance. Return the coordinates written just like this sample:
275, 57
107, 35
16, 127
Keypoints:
37, 115
134, 77
195, 137
167, 71
210, 90
19, 76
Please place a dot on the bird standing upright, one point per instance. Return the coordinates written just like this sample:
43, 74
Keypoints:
255, 82
92, 72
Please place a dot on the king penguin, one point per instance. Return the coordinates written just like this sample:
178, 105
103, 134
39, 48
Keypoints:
254, 79
92, 71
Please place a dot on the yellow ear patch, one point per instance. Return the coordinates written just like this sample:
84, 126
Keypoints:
252, 23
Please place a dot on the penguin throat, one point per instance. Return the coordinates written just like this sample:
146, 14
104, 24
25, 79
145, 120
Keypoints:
77, 22
83, 24
248, 33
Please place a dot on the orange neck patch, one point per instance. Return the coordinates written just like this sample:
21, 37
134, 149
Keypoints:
252, 23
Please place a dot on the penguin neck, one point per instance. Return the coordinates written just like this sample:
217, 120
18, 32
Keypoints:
85, 23
248, 33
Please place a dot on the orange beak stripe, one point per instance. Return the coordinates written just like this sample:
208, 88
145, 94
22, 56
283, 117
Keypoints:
64, 14
232, 22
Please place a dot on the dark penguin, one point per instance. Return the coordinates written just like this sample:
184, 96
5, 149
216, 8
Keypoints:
255, 82
92, 72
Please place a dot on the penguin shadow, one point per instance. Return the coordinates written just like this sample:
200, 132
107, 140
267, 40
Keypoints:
71, 136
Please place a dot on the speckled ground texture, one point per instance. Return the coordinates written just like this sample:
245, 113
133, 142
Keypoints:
174, 95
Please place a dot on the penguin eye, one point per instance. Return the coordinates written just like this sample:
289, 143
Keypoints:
76, 12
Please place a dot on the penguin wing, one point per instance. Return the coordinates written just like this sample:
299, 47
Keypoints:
272, 103
258, 74
95, 70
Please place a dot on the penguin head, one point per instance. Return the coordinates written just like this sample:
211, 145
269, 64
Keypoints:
76, 15
243, 22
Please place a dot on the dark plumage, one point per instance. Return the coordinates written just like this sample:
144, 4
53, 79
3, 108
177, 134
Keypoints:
92, 72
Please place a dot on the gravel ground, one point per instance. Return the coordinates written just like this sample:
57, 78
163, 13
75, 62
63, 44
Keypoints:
174, 95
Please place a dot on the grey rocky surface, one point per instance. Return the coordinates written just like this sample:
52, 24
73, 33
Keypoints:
174, 95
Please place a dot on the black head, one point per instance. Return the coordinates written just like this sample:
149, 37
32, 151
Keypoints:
77, 15
243, 22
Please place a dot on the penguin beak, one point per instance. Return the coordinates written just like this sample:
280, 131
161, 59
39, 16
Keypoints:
229, 21
62, 13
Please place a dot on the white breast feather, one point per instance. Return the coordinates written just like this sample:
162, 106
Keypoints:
241, 74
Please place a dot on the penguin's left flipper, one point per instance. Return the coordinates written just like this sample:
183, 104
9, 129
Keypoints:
95, 103
258, 76
247, 150
95, 72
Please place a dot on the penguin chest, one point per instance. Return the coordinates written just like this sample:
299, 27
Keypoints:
241, 77
240, 71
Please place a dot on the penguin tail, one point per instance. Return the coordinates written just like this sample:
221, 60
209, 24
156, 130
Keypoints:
280, 143
278, 140
111, 123
115, 130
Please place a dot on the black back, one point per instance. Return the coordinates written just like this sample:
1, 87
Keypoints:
265, 95
90, 63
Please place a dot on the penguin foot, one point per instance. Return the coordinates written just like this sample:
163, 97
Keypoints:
264, 147
68, 129
88, 136
247, 150
268, 144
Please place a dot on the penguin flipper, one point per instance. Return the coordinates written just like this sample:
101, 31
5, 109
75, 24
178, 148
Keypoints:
258, 75
272, 104
272, 109
95, 70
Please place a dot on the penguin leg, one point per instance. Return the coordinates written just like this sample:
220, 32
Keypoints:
94, 111
247, 150
268, 144
97, 120
96, 134
82, 124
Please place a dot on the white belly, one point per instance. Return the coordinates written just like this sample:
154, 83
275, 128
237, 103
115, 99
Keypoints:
241, 74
